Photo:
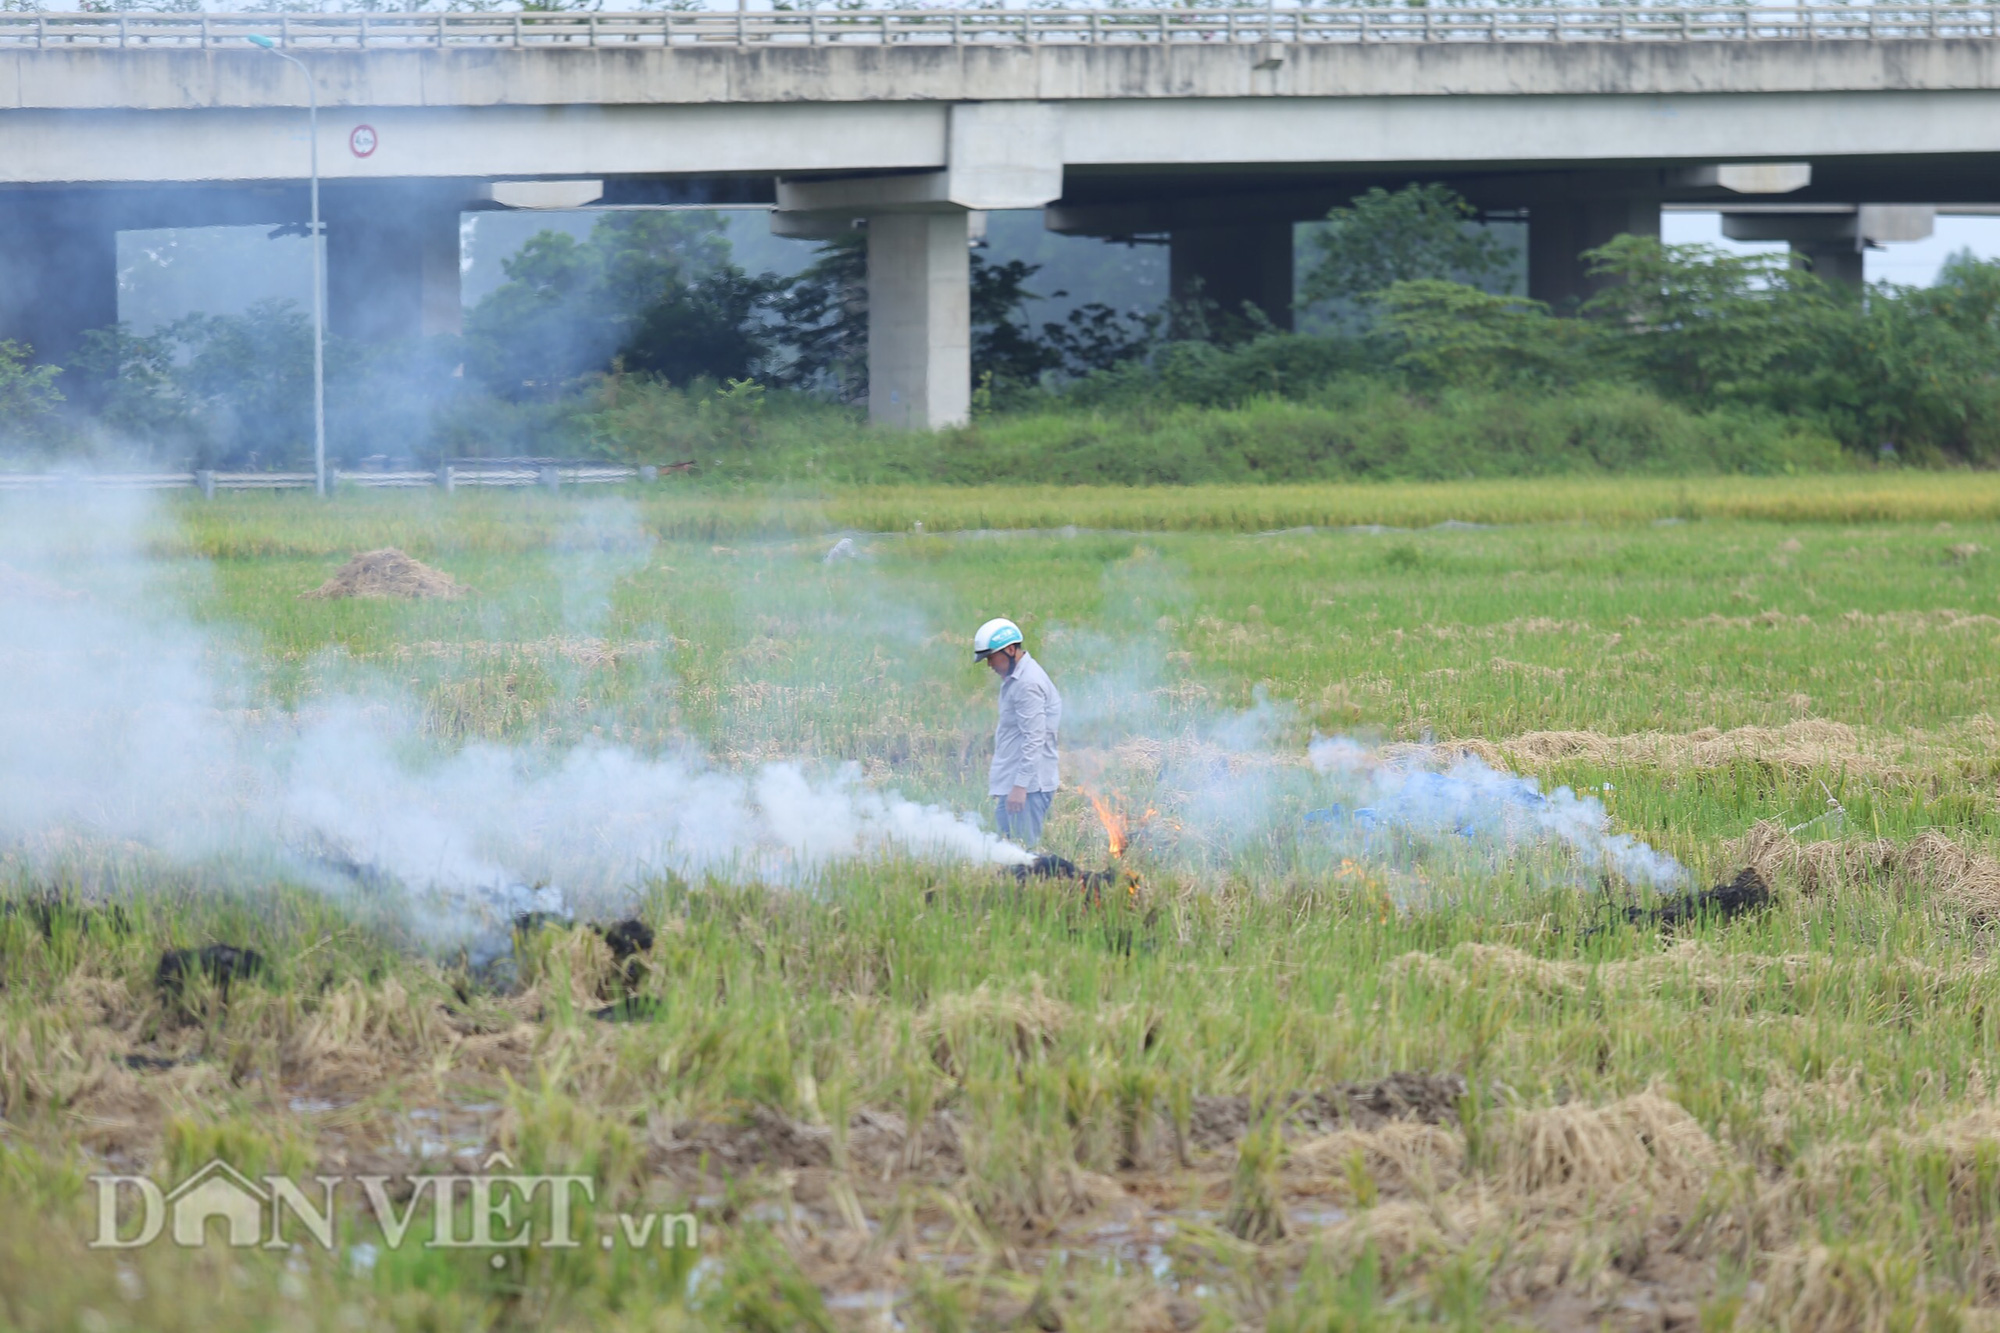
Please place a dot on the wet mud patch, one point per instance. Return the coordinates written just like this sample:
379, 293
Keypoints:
878, 1147
1220, 1121
400, 1142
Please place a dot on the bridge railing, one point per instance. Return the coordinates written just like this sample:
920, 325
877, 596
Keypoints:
1032, 27
551, 474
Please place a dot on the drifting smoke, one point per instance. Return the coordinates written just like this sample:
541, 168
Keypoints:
477, 828
125, 725
128, 728
1229, 799
1503, 816
1244, 795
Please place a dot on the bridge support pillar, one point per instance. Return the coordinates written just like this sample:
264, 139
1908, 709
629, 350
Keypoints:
919, 320
392, 262
1561, 229
1234, 266
1833, 242
58, 275
1836, 261
998, 155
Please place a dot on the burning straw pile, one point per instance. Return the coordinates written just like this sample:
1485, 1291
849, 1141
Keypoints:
1118, 833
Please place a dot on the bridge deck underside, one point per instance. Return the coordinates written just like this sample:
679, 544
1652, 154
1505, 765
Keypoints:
1217, 141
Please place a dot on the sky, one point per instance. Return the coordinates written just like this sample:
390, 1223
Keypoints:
1912, 264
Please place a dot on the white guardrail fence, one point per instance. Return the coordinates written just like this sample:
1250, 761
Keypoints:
1032, 27
453, 476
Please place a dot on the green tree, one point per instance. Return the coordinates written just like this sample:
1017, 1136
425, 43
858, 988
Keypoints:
139, 396
1448, 334
656, 289
236, 390
1008, 353
1005, 351
1913, 369
534, 334
250, 376
1418, 232
30, 402
1095, 338
1920, 371
1706, 325
823, 316
711, 329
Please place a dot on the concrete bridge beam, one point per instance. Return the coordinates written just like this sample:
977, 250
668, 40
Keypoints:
1832, 240
392, 263
919, 288
58, 275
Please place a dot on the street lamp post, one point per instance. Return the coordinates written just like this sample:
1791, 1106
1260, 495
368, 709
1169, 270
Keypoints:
319, 285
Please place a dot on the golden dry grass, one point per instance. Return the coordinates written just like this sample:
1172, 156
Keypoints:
1641, 1140
386, 573
1963, 878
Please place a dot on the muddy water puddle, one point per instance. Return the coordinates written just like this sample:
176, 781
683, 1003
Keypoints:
430, 1133
1143, 1245
1127, 1246
403, 1138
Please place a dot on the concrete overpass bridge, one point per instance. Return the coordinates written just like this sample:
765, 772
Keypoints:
1214, 129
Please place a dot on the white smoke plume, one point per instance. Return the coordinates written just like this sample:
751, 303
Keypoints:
1460, 799
124, 723
1247, 795
1228, 798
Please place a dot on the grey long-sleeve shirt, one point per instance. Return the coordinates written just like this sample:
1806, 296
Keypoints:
1024, 744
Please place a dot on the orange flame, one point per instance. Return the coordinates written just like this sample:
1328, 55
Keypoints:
1113, 821
1118, 829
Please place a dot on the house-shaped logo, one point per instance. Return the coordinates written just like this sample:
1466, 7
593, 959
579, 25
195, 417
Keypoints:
218, 1190
254, 1212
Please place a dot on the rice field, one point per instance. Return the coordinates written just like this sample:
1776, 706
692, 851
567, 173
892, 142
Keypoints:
1289, 1073
717, 510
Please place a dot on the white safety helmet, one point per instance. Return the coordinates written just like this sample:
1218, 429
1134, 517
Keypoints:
993, 636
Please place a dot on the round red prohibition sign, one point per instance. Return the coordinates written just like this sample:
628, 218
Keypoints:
361, 142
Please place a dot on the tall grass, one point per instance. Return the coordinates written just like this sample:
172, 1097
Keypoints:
1346, 429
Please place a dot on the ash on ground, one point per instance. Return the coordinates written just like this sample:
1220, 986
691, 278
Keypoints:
220, 963
1050, 866
1746, 892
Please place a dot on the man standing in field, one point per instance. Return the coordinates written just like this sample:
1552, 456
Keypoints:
1023, 779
